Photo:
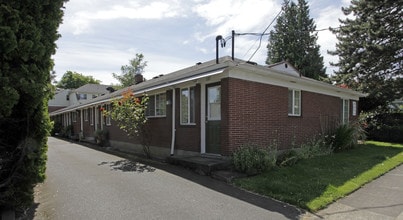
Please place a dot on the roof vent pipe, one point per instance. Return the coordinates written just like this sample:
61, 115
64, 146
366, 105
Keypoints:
218, 38
233, 44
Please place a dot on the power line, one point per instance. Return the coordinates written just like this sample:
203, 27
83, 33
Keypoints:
268, 26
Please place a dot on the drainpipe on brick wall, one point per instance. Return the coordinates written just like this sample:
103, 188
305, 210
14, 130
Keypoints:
81, 125
173, 123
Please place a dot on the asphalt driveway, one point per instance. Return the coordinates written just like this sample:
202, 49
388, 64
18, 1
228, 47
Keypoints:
83, 183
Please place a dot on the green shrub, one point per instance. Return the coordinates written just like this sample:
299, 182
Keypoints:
67, 131
315, 147
56, 128
102, 137
253, 160
347, 136
287, 158
386, 127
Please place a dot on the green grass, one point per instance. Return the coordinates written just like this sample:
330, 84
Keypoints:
314, 183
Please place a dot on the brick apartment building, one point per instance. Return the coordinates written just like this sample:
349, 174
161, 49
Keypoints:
215, 107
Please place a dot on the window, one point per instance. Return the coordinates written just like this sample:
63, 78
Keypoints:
156, 105
214, 103
67, 97
346, 111
294, 102
160, 105
85, 113
91, 116
82, 96
187, 105
354, 113
108, 118
150, 111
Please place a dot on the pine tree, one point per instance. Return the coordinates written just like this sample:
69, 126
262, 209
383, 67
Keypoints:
293, 40
370, 51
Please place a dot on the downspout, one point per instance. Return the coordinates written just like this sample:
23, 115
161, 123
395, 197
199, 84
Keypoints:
81, 125
173, 123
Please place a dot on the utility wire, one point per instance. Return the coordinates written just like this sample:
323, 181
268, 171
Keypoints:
267, 28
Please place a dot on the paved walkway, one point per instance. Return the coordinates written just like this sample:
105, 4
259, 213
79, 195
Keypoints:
83, 183
379, 199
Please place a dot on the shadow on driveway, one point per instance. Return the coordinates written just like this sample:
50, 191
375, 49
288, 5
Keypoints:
138, 164
128, 166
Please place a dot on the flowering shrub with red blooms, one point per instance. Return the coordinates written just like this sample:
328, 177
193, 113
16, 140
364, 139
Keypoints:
129, 112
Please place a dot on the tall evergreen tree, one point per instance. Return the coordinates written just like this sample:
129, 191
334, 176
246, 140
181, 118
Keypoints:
294, 40
370, 51
28, 31
137, 65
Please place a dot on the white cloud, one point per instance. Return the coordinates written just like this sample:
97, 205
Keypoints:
172, 34
328, 17
238, 15
80, 15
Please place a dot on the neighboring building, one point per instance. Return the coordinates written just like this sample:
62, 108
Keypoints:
67, 97
214, 108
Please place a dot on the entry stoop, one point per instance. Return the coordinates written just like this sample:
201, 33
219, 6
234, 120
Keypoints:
201, 164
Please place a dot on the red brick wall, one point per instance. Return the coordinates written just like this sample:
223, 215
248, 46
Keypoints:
160, 129
257, 113
187, 137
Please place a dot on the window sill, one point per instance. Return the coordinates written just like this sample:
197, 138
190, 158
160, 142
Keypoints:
188, 124
159, 116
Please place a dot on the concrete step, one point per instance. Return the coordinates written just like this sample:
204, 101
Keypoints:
201, 164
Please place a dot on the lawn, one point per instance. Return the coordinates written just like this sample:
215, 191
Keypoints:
315, 183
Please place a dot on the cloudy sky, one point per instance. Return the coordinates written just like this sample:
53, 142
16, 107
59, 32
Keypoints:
99, 36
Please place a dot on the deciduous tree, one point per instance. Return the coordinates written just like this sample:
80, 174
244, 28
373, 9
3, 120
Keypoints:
129, 112
74, 80
136, 66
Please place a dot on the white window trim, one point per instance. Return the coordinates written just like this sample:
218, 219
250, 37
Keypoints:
108, 117
346, 117
354, 113
74, 117
91, 116
85, 113
155, 106
188, 105
293, 102
209, 117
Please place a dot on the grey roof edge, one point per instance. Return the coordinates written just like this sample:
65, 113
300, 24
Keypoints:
203, 69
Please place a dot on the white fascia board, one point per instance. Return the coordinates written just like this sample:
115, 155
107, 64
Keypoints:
144, 90
267, 76
180, 81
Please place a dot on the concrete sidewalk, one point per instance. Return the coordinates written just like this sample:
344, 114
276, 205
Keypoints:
379, 199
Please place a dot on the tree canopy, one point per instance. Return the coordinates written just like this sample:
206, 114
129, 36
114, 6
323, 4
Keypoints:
28, 32
294, 40
74, 80
370, 51
136, 66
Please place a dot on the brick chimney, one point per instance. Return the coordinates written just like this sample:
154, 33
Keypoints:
138, 78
